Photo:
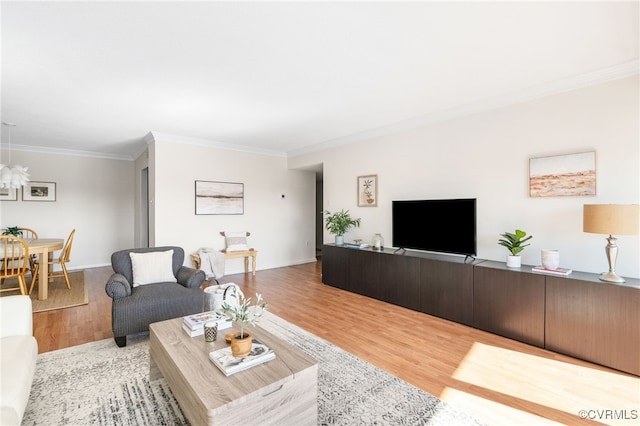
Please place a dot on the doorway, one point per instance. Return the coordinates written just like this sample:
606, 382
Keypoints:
144, 207
319, 215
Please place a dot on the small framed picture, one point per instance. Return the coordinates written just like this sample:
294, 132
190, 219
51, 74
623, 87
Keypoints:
39, 191
368, 191
8, 194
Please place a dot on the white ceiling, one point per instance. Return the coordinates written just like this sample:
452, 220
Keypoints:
96, 77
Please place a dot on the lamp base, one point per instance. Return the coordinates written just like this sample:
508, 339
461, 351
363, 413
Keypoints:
611, 277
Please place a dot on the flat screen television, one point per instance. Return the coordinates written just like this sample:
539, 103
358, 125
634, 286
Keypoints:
444, 226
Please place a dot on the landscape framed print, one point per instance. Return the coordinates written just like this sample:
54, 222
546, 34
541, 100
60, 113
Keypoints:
563, 175
219, 197
39, 191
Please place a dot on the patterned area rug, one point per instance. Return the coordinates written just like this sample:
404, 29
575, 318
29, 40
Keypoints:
101, 384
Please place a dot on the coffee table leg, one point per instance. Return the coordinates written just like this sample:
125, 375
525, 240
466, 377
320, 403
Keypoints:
154, 371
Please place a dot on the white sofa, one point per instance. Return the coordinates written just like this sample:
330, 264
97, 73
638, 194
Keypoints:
18, 355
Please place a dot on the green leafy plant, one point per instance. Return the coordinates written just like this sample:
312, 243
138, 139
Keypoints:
514, 242
243, 313
12, 230
338, 223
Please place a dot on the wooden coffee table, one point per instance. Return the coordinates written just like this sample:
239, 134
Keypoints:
281, 391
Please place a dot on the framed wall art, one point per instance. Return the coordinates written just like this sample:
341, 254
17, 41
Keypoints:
368, 191
39, 191
8, 194
563, 175
219, 197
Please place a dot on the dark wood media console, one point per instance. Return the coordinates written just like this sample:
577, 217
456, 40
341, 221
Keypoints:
576, 315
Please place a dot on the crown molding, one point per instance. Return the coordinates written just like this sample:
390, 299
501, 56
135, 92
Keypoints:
69, 152
160, 137
624, 70
535, 92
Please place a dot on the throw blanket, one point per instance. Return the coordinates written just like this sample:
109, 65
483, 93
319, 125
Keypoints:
211, 262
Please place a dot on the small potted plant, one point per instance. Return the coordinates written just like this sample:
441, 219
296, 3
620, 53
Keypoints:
514, 242
12, 230
338, 223
243, 314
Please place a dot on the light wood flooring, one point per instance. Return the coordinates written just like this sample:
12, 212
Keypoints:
498, 380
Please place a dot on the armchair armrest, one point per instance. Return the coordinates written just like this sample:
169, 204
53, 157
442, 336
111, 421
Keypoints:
190, 277
16, 317
118, 287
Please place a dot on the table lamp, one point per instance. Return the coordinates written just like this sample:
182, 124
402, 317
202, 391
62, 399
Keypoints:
611, 219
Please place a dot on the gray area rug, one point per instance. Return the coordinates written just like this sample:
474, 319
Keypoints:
100, 384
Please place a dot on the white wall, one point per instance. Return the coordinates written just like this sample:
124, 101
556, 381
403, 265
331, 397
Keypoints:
282, 229
101, 199
94, 196
486, 156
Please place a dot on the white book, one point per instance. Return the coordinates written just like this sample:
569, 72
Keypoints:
354, 245
196, 321
558, 271
199, 331
228, 364
192, 333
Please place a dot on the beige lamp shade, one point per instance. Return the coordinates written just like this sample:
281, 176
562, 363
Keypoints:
612, 219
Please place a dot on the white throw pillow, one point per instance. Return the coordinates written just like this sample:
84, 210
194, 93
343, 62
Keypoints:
152, 267
236, 241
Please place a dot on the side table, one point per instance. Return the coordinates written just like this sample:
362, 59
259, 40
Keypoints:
251, 253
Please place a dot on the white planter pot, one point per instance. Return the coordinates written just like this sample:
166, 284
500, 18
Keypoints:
513, 261
550, 259
339, 240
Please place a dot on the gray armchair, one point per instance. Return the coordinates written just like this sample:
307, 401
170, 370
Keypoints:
134, 308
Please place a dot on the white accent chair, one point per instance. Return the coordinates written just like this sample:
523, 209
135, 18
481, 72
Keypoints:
18, 356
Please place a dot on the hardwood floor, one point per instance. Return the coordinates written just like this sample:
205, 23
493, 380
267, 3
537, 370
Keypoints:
498, 380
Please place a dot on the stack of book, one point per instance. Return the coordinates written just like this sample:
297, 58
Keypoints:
358, 246
557, 271
229, 364
193, 325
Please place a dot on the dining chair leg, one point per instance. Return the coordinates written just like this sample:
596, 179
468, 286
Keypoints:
23, 285
66, 275
34, 277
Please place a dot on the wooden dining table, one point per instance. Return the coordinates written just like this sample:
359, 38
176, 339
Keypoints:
43, 247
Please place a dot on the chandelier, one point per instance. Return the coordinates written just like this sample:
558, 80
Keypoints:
12, 176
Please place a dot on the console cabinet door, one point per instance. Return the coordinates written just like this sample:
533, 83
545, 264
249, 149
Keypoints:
400, 280
510, 303
335, 267
364, 272
594, 321
446, 290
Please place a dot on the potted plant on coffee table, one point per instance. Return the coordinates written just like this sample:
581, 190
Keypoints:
338, 223
243, 314
514, 242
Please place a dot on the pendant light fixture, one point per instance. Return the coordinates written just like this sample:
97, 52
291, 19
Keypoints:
12, 176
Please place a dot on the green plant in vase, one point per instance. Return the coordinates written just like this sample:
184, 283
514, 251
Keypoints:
243, 314
514, 242
339, 223
12, 230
